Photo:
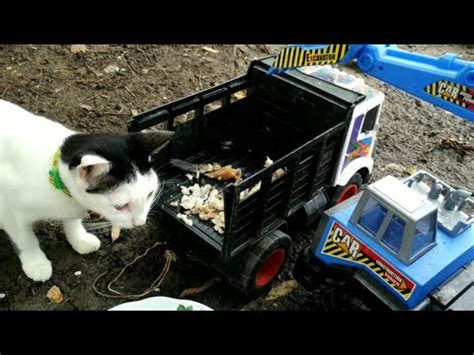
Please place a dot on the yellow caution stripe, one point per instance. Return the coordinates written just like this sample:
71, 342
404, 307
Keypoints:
448, 91
332, 249
294, 57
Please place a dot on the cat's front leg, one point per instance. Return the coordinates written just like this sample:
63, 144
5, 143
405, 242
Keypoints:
80, 240
34, 262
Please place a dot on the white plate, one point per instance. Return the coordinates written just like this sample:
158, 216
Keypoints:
159, 304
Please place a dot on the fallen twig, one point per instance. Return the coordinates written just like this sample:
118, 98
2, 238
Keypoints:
196, 290
129, 91
459, 147
6, 90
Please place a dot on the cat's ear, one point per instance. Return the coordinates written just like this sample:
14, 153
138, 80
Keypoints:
93, 166
150, 143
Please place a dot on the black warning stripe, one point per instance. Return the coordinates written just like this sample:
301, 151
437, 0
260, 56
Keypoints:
293, 57
343, 50
433, 89
339, 252
329, 247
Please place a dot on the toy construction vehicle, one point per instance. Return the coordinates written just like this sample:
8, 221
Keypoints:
409, 242
319, 136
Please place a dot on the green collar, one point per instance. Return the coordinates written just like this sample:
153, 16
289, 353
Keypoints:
54, 177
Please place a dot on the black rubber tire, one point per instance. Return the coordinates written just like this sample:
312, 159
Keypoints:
257, 255
356, 179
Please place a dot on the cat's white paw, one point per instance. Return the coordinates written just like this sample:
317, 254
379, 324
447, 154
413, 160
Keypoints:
85, 243
37, 268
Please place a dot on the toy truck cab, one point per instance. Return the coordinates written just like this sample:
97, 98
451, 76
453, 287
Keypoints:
408, 242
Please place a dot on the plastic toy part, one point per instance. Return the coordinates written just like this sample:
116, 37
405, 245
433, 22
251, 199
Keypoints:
449, 202
270, 267
446, 81
343, 193
263, 263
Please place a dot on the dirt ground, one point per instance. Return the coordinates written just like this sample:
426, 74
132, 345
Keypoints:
100, 89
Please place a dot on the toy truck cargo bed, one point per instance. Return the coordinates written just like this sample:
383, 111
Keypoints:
298, 121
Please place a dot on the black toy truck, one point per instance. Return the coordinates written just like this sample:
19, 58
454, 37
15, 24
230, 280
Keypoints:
319, 134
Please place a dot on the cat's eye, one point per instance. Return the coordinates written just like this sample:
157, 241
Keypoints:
122, 207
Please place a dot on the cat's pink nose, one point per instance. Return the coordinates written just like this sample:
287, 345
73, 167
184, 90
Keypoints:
139, 222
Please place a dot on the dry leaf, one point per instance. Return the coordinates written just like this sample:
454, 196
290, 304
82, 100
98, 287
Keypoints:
115, 233
281, 290
410, 170
196, 290
459, 147
78, 48
226, 173
209, 49
54, 294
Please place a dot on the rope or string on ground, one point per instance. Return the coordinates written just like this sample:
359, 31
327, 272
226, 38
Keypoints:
169, 257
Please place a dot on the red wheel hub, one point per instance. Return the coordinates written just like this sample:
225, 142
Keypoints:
270, 267
349, 191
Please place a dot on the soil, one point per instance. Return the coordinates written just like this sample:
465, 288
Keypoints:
100, 89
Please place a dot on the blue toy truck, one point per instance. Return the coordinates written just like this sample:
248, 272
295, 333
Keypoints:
409, 242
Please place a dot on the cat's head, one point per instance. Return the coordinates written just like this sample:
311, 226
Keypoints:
111, 174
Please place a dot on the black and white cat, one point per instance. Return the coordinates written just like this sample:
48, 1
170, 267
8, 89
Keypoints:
48, 172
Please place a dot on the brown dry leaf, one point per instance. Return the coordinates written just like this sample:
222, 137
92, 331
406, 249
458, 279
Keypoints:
196, 290
115, 233
78, 48
459, 147
54, 294
410, 170
209, 49
281, 290
226, 173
